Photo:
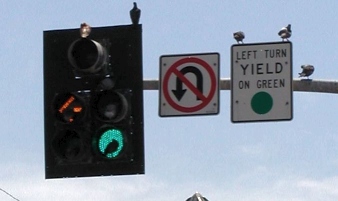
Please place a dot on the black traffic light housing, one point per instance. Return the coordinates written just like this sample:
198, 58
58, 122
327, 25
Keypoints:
93, 102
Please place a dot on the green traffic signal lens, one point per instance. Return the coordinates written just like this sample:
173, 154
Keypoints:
111, 143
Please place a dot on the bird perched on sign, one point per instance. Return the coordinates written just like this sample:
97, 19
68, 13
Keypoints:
285, 32
135, 14
239, 36
307, 71
85, 30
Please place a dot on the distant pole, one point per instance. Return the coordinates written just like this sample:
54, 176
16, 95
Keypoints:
301, 85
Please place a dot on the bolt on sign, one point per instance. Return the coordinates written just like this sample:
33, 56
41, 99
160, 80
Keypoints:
261, 82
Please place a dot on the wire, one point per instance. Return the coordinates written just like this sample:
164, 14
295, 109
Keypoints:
9, 194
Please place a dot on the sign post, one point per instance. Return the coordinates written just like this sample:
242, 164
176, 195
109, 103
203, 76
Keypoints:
261, 82
189, 84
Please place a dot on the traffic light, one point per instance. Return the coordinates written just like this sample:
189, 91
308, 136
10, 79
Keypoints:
93, 102
197, 197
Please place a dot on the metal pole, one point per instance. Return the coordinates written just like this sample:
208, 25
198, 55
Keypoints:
305, 85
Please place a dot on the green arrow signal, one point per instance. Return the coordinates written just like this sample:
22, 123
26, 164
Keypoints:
111, 143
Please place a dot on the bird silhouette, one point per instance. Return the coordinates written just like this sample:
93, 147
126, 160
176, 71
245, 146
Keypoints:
239, 36
285, 33
135, 14
85, 30
307, 71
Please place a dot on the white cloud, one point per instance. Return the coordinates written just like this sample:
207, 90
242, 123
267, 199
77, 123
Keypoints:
326, 187
252, 149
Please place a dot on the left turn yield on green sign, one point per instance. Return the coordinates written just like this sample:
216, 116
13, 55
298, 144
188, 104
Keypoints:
261, 82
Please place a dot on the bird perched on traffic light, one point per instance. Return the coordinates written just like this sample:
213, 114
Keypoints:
285, 32
135, 14
239, 36
307, 70
85, 30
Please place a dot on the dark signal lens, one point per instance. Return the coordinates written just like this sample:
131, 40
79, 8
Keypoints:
87, 55
110, 106
68, 145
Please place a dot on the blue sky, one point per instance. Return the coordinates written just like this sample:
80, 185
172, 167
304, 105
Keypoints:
276, 161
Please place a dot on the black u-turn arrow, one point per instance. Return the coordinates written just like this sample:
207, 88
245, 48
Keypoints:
179, 91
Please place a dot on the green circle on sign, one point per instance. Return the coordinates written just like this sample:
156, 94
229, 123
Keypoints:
261, 102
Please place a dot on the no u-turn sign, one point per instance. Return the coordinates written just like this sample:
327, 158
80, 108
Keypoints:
189, 84
261, 82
